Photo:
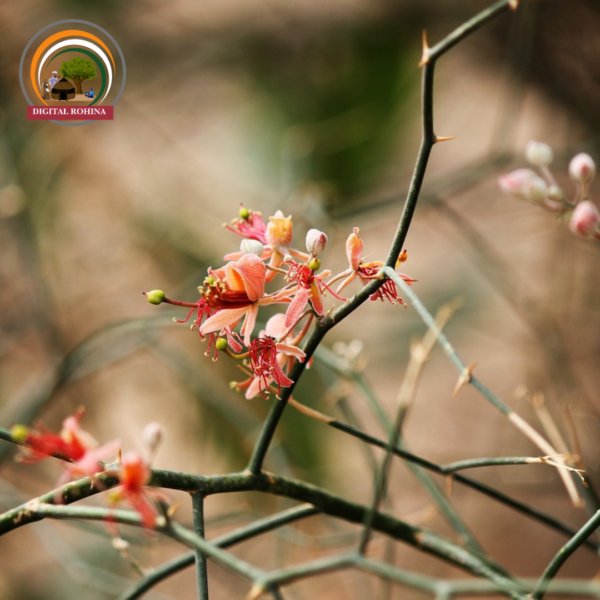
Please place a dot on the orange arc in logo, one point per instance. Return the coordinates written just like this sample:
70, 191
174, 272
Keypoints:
53, 38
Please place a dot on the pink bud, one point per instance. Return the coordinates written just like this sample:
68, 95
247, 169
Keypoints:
582, 168
524, 184
153, 435
315, 241
585, 219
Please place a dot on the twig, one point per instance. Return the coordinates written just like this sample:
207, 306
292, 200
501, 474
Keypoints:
563, 555
464, 480
467, 377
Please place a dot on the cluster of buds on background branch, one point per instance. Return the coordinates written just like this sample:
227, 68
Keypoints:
543, 190
232, 295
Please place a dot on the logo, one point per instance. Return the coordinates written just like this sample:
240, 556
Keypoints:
72, 73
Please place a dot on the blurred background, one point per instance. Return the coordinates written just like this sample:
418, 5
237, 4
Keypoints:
312, 108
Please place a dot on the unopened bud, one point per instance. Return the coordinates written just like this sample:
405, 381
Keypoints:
153, 435
314, 264
538, 153
315, 241
582, 168
585, 219
279, 230
221, 344
155, 296
249, 246
19, 433
556, 193
524, 184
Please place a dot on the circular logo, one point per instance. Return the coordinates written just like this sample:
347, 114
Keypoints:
72, 73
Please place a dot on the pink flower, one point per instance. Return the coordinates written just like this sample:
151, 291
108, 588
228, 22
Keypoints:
267, 357
249, 225
585, 218
308, 287
235, 292
276, 237
368, 271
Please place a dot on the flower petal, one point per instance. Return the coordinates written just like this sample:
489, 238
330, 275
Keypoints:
291, 351
354, 248
249, 323
227, 317
296, 307
252, 271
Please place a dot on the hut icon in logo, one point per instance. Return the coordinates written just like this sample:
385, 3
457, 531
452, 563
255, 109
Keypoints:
63, 90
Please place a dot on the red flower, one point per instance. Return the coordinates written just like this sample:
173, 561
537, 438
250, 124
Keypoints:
72, 443
134, 475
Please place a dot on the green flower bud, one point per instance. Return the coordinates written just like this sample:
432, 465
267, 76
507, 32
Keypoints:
19, 433
314, 264
244, 213
221, 344
155, 296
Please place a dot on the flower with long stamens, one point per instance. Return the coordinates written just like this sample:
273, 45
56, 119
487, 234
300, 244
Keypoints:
368, 271
268, 357
309, 286
249, 225
73, 444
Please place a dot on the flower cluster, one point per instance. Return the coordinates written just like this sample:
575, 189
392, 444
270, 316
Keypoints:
84, 457
542, 189
231, 296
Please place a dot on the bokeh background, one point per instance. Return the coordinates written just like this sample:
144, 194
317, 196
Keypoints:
312, 108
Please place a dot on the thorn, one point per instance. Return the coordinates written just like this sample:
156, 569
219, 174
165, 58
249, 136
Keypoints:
425, 55
513, 4
449, 484
443, 139
256, 592
464, 378
174, 508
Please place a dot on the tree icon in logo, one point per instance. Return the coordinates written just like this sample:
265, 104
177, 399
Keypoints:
78, 70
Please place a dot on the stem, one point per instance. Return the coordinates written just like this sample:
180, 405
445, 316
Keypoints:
201, 564
428, 140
